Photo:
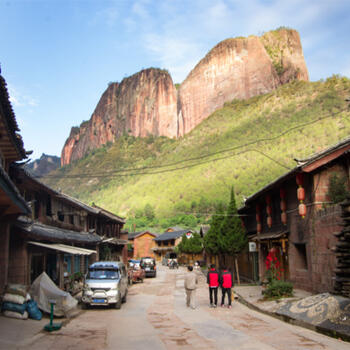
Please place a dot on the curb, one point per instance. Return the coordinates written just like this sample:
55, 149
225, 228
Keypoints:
293, 321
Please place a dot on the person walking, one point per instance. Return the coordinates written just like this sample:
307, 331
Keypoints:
213, 281
226, 283
191, 281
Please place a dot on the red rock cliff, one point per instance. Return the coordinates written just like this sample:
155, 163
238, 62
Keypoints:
239, 68
143, 104
147, 102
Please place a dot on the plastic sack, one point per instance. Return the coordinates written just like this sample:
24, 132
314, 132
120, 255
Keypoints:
20, 308
33, 310
18, 289
13, 298
44, 289
13, 314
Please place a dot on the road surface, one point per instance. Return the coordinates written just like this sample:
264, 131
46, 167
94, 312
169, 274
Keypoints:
155, 317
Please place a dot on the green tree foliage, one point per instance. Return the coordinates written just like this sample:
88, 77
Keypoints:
232, 238
193, 245
337, 188
149, 212
211, 239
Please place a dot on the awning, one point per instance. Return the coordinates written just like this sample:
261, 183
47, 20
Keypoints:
269, 235
116, 241
65, 248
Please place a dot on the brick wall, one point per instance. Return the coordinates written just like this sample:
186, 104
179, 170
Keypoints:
318, 236
143, 246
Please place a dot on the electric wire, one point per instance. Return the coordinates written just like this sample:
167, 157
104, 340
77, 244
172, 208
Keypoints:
139, 170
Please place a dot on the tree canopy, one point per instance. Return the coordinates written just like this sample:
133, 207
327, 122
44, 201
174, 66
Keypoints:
232, 238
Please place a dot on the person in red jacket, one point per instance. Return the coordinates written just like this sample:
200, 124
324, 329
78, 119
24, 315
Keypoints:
213, 281
226, 283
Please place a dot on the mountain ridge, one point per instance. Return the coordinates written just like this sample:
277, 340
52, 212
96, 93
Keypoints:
148, 103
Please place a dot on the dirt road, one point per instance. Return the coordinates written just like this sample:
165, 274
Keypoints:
155, 317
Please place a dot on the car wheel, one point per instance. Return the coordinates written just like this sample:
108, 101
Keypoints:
118, 304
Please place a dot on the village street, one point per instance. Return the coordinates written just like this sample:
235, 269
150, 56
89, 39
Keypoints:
155, 317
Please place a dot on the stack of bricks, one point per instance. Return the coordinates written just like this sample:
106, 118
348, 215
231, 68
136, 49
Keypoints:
342, 252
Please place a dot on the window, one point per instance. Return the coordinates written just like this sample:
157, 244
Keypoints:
60, 216
48, 206
71, 219
301, 256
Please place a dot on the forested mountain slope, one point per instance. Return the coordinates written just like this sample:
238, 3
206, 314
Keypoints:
246, 144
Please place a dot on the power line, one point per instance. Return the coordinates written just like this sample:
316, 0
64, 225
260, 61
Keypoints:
139, 171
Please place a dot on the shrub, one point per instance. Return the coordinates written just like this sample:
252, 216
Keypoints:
337, 188
279, 289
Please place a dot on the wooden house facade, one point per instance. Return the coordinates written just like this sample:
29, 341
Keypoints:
62, 236
12, 204
295, 216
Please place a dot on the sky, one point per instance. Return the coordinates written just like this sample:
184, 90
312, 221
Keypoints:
58, 56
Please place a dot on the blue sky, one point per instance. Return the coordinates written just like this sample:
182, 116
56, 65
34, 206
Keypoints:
58, 56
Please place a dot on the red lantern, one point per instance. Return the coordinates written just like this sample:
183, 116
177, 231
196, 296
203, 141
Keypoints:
302, 210
269, 221
283, 205
257, 208
268, 199
269, 210
259, 227
301, 194
282, 193
300, 179
284, 218
258, 218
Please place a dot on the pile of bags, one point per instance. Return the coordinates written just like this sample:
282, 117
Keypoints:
16, 303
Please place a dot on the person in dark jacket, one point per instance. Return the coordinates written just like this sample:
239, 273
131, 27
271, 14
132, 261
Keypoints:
213, 281
226, 283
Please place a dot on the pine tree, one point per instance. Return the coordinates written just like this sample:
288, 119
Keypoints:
232, 238
193, 245
211, 239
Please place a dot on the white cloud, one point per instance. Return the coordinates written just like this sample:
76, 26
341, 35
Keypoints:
19, 99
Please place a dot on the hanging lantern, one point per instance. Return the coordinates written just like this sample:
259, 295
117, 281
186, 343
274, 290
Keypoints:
268, 199
259, 227
269, 221
284, 218
302, 210
282, 193
258, 218
301, 194
300, 179
283, 205
269, 210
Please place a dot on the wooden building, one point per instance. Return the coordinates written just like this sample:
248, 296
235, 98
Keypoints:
61, 237
12, 204
295, 216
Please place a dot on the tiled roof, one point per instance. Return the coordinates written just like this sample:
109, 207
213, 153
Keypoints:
171, 235
43, 232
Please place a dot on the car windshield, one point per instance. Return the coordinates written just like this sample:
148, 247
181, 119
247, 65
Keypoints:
102, 273
148, 262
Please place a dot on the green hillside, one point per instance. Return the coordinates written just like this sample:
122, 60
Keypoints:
246, 143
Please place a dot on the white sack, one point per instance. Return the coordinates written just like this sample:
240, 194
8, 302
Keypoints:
14, 314
44, 289
13, 298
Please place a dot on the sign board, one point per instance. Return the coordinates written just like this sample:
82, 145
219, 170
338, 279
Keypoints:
252, 247
189, 234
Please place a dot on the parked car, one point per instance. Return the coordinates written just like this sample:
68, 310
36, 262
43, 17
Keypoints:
149, 265
105, 283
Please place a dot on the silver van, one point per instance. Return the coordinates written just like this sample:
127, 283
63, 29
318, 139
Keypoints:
105, 283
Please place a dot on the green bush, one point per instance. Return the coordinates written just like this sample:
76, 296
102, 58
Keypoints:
278, 289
